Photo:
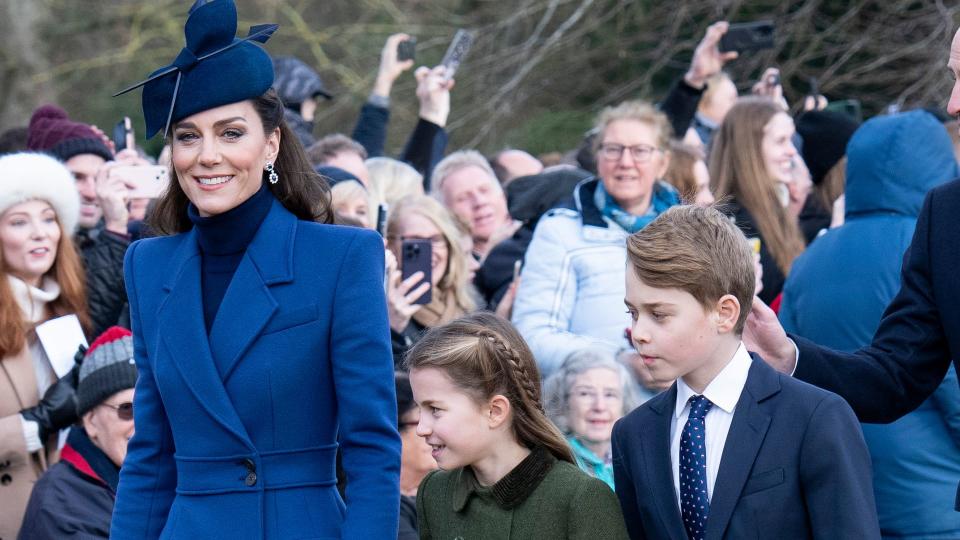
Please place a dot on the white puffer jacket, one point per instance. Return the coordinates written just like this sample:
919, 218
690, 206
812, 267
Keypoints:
572, 289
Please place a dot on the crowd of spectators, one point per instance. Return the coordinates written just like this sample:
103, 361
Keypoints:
828, 204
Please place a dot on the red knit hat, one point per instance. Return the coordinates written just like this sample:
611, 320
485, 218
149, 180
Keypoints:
51, 131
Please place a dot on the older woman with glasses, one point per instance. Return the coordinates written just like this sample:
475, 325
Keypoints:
424, 218
571, 293
584, 398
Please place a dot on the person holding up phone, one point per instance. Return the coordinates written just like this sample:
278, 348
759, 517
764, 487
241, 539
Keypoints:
101, 233
443, 275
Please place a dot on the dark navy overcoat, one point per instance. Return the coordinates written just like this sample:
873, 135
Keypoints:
237, 432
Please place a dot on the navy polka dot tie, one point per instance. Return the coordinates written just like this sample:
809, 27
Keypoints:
694, 503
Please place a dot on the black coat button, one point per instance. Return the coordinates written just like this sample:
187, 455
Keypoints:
6, 479
251, 479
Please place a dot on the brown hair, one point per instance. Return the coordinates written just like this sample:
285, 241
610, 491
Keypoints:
698, 250
737, 169
484, 355
683, 158
300, 189
832, 185
329, 146
67, 271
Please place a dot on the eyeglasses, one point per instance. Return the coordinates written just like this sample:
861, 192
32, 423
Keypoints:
641, 153
438, 242
124, 410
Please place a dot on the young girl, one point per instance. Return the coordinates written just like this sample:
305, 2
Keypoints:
506, 471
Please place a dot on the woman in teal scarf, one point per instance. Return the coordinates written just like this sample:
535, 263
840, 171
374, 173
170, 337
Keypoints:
584, 398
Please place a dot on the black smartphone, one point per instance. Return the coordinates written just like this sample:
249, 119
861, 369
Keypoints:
814, 87
123, 134
382, 219
456, 52
407, 49
752, 36
416, 256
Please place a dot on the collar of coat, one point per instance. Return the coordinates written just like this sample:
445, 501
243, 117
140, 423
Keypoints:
512, 489
90, 461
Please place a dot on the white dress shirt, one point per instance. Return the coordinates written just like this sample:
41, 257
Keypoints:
724, 392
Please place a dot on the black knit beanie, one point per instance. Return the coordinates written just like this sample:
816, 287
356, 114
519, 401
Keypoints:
825, 136
107, 368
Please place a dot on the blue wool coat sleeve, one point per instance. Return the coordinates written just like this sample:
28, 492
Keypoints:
363, 378
148, 477
947, 400
624, 481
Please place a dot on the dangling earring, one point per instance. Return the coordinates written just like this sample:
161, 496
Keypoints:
274, 177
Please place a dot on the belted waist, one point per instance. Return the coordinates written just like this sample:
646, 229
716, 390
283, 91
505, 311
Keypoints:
257, 471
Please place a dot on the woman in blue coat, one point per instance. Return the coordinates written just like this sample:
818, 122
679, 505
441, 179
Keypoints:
260, 335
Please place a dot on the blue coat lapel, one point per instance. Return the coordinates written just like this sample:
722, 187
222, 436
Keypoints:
656, 451
747, 431
248, 305
183, 333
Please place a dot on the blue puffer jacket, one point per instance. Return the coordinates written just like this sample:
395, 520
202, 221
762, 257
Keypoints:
837, 291
573, 284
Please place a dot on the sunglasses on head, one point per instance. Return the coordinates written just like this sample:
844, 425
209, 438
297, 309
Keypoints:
124, 410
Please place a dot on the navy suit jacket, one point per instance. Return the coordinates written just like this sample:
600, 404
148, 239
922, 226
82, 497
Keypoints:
919, 332
236, 433
794, 466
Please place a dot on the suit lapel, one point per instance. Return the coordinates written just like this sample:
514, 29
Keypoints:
747, 431
183, 332
248, 305
656, 449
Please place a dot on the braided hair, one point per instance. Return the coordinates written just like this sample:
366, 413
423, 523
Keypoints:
484, 355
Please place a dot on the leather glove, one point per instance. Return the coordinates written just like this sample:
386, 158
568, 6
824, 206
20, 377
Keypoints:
58, 408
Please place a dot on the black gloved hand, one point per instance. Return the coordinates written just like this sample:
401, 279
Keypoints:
58, 408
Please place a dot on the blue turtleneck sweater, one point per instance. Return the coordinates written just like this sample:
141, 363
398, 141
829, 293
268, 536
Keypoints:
223, 240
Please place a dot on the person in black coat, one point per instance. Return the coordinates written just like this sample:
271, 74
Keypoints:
74, 499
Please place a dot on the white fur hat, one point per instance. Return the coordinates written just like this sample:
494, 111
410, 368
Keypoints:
28, 176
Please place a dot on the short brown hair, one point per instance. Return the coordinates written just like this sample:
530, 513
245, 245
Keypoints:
697, 250
328, 147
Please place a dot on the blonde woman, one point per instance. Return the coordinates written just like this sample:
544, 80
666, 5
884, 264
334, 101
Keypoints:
390, 181
424, 218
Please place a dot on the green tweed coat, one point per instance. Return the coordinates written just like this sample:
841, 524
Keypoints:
540, 498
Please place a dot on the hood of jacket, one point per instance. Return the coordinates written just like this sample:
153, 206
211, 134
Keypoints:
295, 81
529, 197
894, 160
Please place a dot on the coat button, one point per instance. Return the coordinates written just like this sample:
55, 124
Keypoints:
251, 479
6, 479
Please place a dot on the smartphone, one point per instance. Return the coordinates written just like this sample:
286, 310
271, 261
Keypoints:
382, 219
145, 181
814, 87
416, 255
458, 49
123, 135
517, 265
752, 36
407, 49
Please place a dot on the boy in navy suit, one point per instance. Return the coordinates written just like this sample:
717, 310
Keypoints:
733, 449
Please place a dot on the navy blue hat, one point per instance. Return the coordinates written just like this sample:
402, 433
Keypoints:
215, 68
335, 175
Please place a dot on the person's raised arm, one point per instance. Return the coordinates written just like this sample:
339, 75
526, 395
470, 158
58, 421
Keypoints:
680, 105
428, 142
371, 128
